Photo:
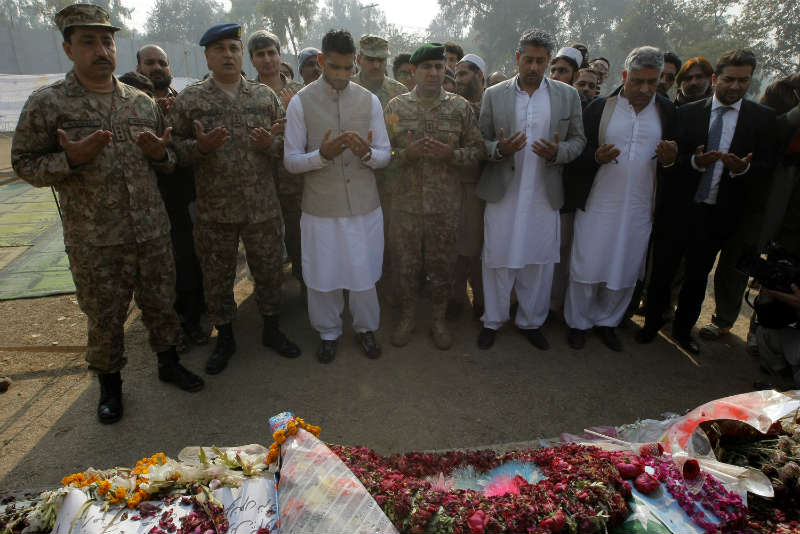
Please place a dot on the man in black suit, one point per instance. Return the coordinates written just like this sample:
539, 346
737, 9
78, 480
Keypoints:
726, 158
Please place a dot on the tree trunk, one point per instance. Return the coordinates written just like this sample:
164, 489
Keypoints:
292, 40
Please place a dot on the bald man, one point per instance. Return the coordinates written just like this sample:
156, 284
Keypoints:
178, 192
152, 61
495, 78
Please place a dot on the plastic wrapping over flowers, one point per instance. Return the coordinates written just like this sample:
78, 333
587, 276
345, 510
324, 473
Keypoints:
318, 493
759, 409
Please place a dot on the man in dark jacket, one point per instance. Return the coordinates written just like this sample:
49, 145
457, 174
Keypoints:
629, 148
726, 157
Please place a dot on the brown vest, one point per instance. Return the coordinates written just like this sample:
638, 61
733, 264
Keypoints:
345, 186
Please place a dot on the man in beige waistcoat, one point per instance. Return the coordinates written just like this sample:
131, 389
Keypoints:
336, 136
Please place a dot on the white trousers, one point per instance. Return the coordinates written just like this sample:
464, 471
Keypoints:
532, 284
589, 305
325, 311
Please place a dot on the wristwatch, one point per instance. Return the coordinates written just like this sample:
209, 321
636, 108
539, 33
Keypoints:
368, 156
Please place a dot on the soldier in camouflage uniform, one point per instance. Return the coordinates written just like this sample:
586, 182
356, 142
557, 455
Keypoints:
223, 125
372, 56
98, 141
265, 55
435, 137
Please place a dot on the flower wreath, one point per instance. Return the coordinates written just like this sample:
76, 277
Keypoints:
583, 491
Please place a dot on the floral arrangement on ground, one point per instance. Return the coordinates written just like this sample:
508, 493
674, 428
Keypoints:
569, 488
777, 455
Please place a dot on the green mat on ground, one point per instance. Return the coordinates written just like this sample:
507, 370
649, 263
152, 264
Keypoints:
28, 217
26, 213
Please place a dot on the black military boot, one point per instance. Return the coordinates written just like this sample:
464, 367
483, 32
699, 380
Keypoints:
109, 409
226, 346
274, 339
170, 370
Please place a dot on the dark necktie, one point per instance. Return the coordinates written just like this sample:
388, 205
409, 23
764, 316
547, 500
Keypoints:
714, 136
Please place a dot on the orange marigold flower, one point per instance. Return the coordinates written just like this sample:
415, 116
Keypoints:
103, 486
119, 493
159, 457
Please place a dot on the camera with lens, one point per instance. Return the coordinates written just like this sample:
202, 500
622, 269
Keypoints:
778, 272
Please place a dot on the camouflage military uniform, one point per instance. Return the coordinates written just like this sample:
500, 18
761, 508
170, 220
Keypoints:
389, 89
427, 192
236, 194
116, 229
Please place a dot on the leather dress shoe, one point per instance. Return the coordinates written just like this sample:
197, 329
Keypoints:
109, 409
369, 346
646, 335
327, 350
536, 338
687, 342
486, 338
609, 338
576, 338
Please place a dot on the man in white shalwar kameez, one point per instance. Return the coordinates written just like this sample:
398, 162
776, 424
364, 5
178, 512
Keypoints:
336, 136
612, 232
523, 188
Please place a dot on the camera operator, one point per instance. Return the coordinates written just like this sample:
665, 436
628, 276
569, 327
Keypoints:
779, 348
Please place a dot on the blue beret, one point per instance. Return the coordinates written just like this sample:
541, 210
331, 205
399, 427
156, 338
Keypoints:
221, 31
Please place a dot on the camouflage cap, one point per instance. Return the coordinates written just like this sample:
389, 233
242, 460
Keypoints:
374, 46
83, 15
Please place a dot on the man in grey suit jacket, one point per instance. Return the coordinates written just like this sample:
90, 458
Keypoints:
523, 189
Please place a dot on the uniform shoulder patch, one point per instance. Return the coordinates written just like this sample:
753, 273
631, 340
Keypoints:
50, 86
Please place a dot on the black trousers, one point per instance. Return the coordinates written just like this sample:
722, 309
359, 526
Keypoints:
178, 193
699, 240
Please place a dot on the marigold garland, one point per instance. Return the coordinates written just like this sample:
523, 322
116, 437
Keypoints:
279, 436
119, 495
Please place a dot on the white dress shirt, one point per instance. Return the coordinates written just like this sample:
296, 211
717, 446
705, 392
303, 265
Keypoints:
729, 120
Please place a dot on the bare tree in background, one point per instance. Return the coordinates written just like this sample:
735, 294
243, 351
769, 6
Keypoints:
773, 29
360, 19
182, 21
288, 19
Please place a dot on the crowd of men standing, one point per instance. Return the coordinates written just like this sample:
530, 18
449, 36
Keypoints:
533, 191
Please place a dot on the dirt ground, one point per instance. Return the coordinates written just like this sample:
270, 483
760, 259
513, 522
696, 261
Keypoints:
416, 398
